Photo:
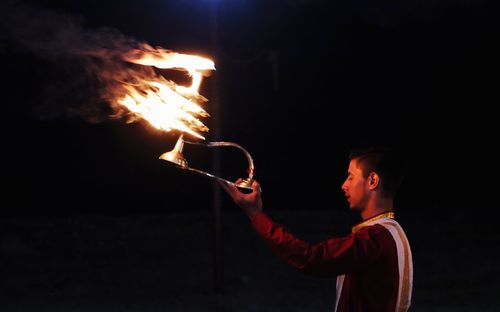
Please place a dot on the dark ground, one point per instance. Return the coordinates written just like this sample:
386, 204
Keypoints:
163, 262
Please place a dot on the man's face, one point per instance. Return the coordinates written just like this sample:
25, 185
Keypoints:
355, 187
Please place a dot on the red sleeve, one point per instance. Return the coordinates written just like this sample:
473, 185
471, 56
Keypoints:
329, 258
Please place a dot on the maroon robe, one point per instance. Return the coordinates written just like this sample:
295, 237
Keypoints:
373, 264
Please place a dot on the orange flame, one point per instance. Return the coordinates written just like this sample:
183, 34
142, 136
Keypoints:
164, 104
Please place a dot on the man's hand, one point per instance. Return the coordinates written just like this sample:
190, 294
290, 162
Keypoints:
251, 203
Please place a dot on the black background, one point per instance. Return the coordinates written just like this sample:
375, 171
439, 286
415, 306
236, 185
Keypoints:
299, 83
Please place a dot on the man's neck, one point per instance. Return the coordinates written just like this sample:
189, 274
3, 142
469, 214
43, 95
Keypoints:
376, 207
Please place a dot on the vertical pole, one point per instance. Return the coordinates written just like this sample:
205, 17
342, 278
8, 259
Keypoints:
216, 160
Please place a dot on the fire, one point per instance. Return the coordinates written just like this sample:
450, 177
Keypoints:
164, 104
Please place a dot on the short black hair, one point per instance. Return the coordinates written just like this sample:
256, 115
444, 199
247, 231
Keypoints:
388, 163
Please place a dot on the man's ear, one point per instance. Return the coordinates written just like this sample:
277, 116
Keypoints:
373, 180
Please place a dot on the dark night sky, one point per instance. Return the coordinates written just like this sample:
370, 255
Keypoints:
299, 83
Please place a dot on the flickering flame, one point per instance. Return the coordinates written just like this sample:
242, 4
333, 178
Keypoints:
164, 104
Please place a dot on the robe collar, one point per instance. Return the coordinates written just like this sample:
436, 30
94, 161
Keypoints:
367, 222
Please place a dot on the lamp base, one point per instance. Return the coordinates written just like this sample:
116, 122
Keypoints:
176, 155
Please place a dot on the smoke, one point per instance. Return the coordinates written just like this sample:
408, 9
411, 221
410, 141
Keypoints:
88, 66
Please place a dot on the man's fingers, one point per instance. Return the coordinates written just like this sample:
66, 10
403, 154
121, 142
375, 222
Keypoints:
235, 193
256, 187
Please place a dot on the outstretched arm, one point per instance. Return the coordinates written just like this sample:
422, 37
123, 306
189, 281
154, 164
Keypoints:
329, 258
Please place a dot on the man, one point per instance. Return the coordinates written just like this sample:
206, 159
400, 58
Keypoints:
373, 264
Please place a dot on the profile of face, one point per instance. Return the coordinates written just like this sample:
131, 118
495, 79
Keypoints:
356, 188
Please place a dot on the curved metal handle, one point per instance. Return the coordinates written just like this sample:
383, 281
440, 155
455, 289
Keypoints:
175, 156
246, 183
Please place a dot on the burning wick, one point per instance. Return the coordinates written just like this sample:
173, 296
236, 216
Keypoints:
164, 104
